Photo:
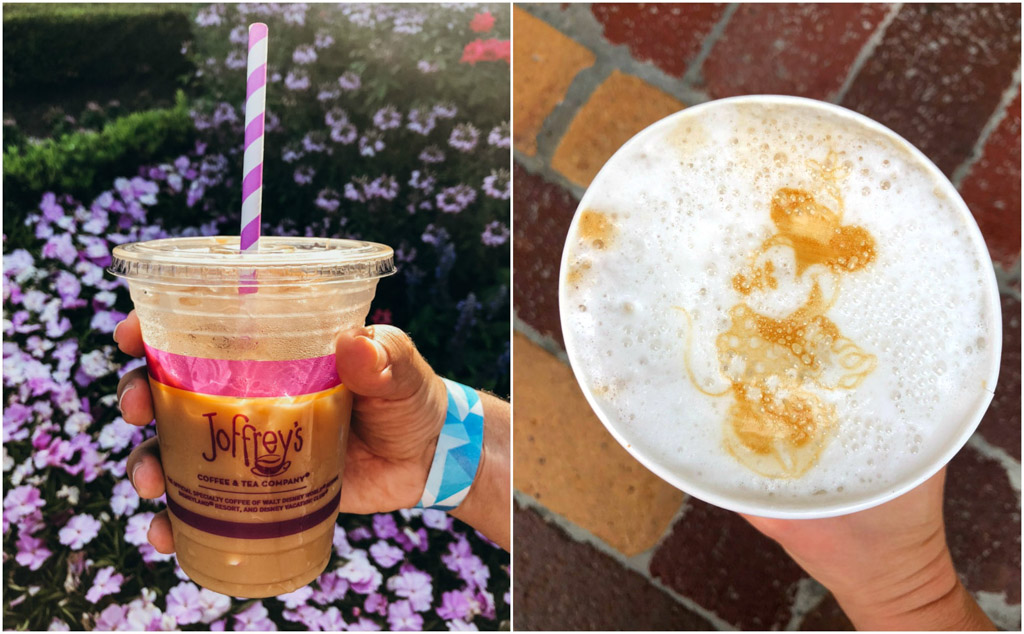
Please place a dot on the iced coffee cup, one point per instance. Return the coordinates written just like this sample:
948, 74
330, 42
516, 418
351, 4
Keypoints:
251, 416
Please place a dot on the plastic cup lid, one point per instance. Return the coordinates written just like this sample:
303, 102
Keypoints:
217, 261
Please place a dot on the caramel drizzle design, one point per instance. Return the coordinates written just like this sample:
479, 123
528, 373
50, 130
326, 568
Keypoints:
776, 368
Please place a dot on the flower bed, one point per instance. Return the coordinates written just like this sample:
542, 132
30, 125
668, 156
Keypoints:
427, 174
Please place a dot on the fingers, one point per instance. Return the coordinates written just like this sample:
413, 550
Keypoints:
145, 471
381, 361
134, 398
160, 535
128, 336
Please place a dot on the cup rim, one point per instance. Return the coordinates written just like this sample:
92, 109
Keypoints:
218, 261
696, 488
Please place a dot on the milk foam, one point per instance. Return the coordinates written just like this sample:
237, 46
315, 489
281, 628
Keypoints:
680, 210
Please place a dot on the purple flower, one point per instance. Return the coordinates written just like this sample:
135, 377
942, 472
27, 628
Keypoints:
296, 598
297, 80
213, 605
124, 500
332, 588
384, 526
138, 528
68, 287
52, 212
292, 153
225, 113
370, 143
340, 540
458, 625
497, 184
495, 234
385, 554
344, 134
500, 136
435, 519
414, 585
254, 618
304, 175
427, 67
106, 582
359, 534
106, 320
336, 117
237, 60
18, 265
402, 617
111, 619
464, 137
239, 35
304, 54
414, 540
376, 603
323, 40
363, 625
452, 200
455, 605
385, 187
362, 576
305, 614
421, 121
22, 501
59, 247
432, 154
349, 81
183, 603
209, 16
79, 531
295, 13
31, 551
445, 110
331, 621
387, 118
57, 625
314, 142
328, 200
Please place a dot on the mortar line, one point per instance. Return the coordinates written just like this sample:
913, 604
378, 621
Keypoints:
1005, 279
998, 454
866, 52
538, 167
588, 32
693, 76
993, 122
583, 536
547, 343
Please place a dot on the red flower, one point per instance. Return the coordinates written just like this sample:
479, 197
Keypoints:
381, 316
487, 51
482, 22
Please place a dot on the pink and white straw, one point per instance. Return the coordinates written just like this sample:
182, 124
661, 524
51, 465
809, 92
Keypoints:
252, 162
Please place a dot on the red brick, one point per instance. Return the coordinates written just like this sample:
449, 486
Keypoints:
1001, 424
566, 585
983, 525
827, 616
715, 558
992, 188
669, 35
542, 213
789, 49
938, 75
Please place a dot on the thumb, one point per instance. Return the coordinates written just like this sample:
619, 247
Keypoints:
382, 362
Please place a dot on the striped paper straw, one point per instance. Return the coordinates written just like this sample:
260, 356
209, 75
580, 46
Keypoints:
252, 163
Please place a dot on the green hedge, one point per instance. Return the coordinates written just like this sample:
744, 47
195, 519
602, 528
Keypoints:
79, 162
47, 46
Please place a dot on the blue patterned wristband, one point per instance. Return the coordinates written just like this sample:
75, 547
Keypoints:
458, 450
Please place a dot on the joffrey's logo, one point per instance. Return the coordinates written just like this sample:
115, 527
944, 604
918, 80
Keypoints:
266, 452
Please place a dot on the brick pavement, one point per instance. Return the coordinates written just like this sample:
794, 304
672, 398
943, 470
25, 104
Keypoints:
600, 542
